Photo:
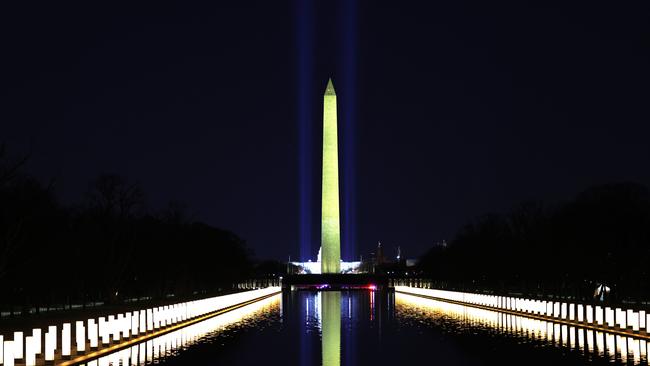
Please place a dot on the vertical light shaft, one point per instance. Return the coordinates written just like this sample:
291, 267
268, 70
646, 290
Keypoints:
330, 222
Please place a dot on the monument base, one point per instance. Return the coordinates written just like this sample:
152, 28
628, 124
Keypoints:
335, 281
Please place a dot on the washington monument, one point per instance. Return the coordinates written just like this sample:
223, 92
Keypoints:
330, 222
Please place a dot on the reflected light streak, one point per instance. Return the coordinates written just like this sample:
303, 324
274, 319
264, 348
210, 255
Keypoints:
372, 305
331, 320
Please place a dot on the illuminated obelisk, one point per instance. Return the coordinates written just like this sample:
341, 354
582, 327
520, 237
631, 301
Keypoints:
330, 223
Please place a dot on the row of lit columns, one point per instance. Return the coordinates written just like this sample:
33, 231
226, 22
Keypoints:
589, 339
636, 321
259, 283
112, 329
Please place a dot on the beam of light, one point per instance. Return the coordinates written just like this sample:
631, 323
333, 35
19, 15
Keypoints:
304, 32
348, 107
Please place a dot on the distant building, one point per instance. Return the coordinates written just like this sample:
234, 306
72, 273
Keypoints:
310, 267
379, 259
397, 265
411, 262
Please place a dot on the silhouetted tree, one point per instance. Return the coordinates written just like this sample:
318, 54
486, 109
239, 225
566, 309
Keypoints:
602, 236
108, 248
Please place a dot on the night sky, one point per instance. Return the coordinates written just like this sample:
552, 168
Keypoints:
446, 112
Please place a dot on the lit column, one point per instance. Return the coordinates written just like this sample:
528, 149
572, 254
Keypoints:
92, 334
621, 318
135, 323
126, 327
599, 315
609, 317
149, 320
66, 335
18, 345
50, 343
30, 354
155, 316
114, 329
37, 334
80, 336
9, 354
143, 322
104, 331
633, 320
581, 313
642, 320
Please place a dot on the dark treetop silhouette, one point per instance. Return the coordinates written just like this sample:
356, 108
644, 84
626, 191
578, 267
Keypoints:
108, 248
601, 236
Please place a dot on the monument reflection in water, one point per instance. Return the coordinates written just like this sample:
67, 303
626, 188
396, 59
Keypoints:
331, 327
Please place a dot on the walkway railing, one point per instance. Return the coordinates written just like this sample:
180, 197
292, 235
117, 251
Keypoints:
91, 336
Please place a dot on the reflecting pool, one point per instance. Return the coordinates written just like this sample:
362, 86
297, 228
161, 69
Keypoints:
334, 328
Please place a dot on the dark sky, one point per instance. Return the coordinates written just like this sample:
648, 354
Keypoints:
451, 111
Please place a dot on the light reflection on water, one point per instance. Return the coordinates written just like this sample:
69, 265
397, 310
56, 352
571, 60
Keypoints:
458, 318
361, 328
331, 328
168, 345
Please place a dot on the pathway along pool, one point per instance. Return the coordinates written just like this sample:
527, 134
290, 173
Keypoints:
334, 328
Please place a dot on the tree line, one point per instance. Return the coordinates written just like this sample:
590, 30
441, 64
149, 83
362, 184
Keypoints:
602, 236
109, 248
